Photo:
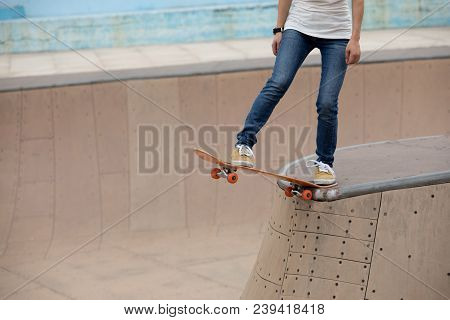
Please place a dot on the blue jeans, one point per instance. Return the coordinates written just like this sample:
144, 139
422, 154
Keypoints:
294, 48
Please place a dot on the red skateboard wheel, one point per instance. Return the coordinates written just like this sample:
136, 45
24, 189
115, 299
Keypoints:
232, 177
307, 194
288, 192
215, 173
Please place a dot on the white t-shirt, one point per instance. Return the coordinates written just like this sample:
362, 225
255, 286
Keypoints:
327, 19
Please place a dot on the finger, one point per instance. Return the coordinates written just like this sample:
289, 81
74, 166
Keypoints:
274, 49
350, 59
347, 56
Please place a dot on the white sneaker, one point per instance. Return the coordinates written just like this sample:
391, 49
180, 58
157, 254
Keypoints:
242, 155
323, 174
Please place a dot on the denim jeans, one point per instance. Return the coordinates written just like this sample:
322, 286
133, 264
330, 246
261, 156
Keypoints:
294, 48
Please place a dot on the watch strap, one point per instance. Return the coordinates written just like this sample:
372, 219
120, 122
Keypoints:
277, 29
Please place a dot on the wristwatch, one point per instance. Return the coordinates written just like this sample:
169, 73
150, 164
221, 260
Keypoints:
277, 29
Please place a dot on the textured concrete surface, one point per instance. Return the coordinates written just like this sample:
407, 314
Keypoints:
380, 245
32, 70
68, 167
202, 264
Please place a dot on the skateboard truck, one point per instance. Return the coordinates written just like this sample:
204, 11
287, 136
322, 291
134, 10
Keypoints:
294, 190
226, 173
317, 194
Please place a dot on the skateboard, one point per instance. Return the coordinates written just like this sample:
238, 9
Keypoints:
293, 187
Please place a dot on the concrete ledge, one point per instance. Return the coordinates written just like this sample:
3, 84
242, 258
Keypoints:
396, 184
385, 166
51, 80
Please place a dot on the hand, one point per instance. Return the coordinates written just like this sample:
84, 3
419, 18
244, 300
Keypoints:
276, 43
353, 52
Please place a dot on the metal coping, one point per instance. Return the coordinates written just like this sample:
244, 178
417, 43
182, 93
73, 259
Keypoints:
395, 184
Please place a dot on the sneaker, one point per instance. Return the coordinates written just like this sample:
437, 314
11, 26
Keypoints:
323, 173
242, 155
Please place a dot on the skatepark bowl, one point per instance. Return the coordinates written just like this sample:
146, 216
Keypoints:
77, 220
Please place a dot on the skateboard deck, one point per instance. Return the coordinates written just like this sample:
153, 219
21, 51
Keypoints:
294, 186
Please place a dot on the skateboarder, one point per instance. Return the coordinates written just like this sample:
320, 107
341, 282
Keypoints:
303, 25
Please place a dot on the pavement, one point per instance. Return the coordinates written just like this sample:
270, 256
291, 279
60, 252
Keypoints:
86, 66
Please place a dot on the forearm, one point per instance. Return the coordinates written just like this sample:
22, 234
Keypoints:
357, 14
283, 11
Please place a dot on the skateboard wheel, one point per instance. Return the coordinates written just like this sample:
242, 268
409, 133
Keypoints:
215, 173
288, 192
232, 177
307, 194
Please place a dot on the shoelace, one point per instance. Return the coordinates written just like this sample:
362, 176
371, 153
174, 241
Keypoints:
323, 167
244, 150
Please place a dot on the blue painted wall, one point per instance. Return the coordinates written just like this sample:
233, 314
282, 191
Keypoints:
59, 8
174, 22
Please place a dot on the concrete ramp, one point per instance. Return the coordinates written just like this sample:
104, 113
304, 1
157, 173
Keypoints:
386, 238
78, 220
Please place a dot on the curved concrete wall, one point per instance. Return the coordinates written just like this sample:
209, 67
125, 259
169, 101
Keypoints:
389, 245
68, 154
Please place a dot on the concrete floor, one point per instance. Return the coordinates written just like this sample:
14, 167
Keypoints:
201, 264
